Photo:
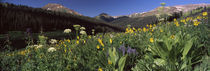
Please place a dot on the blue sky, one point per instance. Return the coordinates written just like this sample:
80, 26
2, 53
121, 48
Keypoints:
112, 7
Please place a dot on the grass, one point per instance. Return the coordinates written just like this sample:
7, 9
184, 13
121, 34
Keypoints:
180, 45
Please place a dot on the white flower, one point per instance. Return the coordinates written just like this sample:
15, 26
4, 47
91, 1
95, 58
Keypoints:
39, 46
82, 28
51, 49
53, 41
67, 31
82, 32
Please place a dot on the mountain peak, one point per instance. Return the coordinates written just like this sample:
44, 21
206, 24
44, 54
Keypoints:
59, 8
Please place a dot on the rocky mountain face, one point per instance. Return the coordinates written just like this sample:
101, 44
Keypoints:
190, 7
59, 8
168, 9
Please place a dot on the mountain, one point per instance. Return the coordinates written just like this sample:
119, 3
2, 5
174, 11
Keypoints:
149, 17
20, 17
168, 9
105, 17
59, 8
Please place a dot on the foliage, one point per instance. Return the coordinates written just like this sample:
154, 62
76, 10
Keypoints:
167, 46
19, 18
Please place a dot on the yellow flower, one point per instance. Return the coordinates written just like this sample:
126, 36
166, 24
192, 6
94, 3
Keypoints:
110, 40
205, 13
177, 23
100, 69
134, 28
147, 25
172, 37
109, 62
103, 49
161, 30
68, 41
89, 36
84, 41
184, 21
150, 26
154, 25
100, 41
198, 17
196, 23
139, 29
65, 50
175, 19
77, 41
98, 47
77, 37
64, 45
151, 40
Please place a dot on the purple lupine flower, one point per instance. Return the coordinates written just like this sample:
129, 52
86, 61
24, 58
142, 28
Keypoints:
129, 51
132, 51
123, 49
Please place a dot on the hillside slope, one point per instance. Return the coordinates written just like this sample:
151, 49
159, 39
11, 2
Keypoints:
59, 8
19, 18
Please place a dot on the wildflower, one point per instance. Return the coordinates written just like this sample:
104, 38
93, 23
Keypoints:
100, 41
177, 23
38, 46
147, 25
131, 51
122, 48
64, 45
163, 4
100, 69
77, 37
172, 37
51, 49
198, 17
93, 31
144, 29
82, 28
84, 41
205, 13
53, 41
89, 36
150, 26
184, 21
154, 25
76, 25
110, 40
83, 32
77, 41
175, 19
109, 62
67, 31
151, 40
139, 29
68, 41
161, 30
103, 49
98, 47
196, 23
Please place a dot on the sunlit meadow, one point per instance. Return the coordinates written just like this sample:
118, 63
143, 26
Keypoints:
180, 45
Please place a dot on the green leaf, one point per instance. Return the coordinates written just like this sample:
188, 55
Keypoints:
187, 48
121, 62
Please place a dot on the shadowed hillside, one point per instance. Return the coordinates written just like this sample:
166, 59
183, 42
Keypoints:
19, 18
